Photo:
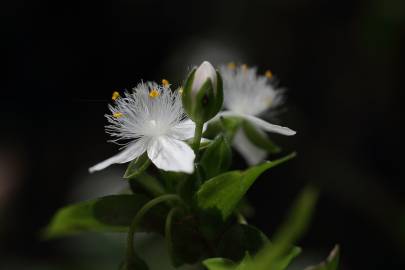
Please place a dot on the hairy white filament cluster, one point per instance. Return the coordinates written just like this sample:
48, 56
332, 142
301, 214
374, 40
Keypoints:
142, 114
246, 92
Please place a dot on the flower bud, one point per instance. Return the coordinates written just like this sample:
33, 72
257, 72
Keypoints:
204, 71
202, 93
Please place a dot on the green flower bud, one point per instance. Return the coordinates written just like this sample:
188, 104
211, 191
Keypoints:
202, 93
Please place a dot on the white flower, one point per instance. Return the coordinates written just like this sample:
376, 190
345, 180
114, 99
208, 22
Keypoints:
151, 119
248, 95
204, 72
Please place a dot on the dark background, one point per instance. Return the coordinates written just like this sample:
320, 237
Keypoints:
343, 63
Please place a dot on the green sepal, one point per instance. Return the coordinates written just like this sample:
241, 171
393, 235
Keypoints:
221, 194
331, 263
137, 166
107, 214
259, 138
216, 158
186, 95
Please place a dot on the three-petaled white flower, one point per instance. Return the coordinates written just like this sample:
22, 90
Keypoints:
151, 119
248, 95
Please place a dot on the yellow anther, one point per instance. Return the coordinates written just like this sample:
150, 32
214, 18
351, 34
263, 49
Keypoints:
231, 65
154, 93
268, 74
165, 83
115, 95
117, 114
181, 90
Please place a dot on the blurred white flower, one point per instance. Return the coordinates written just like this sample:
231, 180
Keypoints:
151, 119
248, 95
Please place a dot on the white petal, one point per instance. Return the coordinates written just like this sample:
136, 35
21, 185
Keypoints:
185, 130
170, 154
131, 152
252, 154
205, 140
266, 126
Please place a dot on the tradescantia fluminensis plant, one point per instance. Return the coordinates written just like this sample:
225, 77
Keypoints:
178, 146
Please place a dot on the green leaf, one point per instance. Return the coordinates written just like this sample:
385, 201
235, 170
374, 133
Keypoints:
331, 263
216, 158
239, 239
221, 194
284, 261
260, 138
106, 214
226, 264
219, 264
278, 255
137, 166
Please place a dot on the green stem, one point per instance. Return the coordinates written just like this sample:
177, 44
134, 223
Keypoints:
168, 227
197, 137
137, 219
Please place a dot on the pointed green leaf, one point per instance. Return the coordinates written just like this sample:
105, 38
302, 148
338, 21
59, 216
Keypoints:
216, 158
331, 263
260, 138
284, 261
219, 264
106, 214
221, 194
278, 255
226, 264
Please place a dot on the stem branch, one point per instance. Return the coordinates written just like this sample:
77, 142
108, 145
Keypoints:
137, 219
168, 227
197, 137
